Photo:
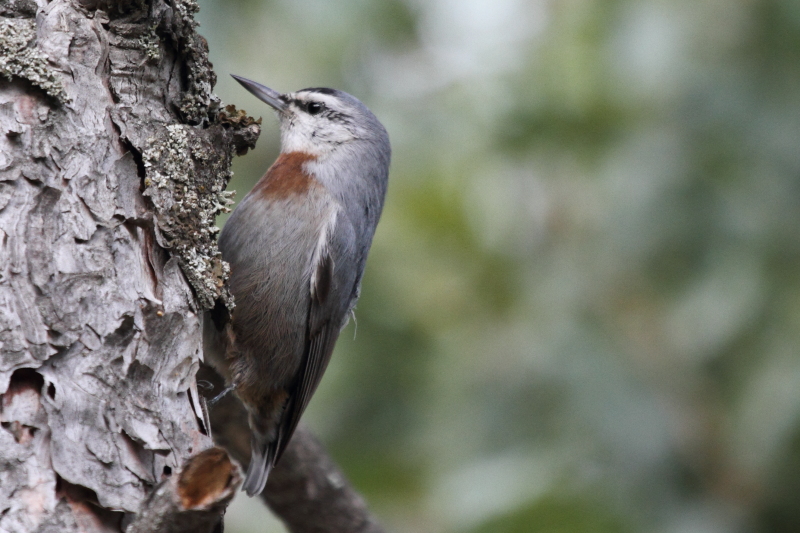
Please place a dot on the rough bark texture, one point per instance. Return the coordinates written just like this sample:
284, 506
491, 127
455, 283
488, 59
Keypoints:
113, 158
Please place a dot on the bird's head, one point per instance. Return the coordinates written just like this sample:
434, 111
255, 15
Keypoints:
318, 121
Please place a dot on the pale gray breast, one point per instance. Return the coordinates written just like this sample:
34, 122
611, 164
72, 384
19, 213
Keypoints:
269, 245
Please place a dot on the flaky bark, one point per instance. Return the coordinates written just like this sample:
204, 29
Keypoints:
113, 158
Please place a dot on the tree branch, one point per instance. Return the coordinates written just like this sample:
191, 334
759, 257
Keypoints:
306, 489
194, 501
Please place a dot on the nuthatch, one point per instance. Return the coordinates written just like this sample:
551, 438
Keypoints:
297, 244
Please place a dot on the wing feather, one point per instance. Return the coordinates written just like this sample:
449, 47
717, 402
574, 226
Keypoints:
329, 301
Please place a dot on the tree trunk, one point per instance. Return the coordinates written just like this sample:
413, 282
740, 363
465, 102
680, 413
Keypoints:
114, 158
114, 155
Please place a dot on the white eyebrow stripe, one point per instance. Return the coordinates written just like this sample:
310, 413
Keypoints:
330, 101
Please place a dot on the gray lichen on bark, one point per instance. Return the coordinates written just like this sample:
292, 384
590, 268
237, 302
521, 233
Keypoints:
185, 176
187, 205
20, 58
99, 330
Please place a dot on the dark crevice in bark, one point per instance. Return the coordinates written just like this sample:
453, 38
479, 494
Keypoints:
24, 379
18, 9
85, 501
123, 335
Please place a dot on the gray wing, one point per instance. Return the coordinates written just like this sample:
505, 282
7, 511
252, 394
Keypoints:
331, 298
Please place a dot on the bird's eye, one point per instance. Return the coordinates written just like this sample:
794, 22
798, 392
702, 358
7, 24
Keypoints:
314, 108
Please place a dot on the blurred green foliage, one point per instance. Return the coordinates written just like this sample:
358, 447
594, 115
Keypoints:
553, 515
582, 308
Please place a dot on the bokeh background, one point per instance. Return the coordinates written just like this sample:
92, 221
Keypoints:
582, 308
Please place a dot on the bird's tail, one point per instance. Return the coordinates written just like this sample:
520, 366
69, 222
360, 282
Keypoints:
262, 459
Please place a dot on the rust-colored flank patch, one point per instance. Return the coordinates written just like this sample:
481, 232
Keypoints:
286, 176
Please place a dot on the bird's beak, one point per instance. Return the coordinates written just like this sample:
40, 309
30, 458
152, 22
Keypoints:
265, 94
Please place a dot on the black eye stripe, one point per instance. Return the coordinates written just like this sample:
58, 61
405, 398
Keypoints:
312, 107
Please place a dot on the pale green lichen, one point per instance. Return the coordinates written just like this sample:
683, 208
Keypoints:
187, 9
151, 44
187, 166
18, 58
187, 206
197, 101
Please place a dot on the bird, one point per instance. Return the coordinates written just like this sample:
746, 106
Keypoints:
297, 245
